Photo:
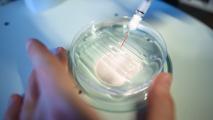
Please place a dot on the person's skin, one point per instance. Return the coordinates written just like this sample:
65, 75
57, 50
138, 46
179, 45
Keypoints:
51, 93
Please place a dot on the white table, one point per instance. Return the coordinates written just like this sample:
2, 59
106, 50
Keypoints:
190, 45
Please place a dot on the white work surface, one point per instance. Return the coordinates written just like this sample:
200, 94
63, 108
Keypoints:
190, 45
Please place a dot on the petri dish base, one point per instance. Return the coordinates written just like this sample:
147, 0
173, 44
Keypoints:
110, 75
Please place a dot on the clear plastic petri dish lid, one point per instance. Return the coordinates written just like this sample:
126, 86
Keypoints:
110, 74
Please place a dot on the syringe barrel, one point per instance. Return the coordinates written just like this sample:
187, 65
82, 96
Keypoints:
144, 6
138, 16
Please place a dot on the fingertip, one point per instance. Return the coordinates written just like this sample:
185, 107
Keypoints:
39, 54
14, 107
61, 53
165, 75
163, 80
31, 42
160, 88
159, 96
34, 44
15, 98
61, 50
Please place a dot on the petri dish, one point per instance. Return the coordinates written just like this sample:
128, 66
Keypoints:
115, 78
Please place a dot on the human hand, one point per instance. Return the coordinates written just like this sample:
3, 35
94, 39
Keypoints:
160, 105
51, 93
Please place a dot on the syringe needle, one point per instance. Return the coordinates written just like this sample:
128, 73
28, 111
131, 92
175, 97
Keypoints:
125, 38
136, 18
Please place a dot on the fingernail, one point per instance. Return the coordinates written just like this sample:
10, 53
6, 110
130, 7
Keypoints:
32, 41
62, 50
29, 42
167, 79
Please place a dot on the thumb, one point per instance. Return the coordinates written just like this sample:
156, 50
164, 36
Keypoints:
160, 102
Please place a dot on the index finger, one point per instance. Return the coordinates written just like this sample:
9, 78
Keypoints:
50, 71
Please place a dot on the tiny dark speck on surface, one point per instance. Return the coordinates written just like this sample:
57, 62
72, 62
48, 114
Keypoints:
6, 23
148, 39
116, 14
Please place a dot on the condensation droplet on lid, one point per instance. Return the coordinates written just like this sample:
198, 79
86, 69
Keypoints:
145, 96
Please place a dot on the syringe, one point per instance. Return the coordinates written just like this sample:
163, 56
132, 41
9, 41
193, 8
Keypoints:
137, 17
139, 14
